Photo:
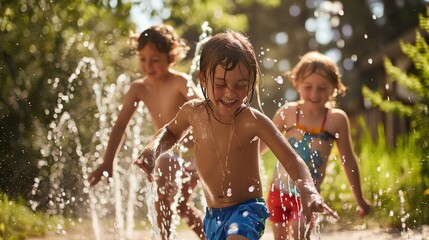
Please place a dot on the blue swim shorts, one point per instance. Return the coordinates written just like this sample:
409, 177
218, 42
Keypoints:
246, 219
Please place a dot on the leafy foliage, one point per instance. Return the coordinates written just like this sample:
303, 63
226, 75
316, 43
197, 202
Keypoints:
418, 83
391, 180
220, 14
42, 44
17, 221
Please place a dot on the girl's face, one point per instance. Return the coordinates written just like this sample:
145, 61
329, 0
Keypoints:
315, 89
227, 91
153, 63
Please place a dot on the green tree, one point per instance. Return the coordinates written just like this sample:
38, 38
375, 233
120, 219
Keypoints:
41, 45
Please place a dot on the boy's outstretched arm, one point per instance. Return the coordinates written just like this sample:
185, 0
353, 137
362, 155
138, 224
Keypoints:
163, 140
294, 165
116, 136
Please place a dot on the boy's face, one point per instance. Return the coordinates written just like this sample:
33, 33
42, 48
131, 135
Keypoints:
315, 89
153, 63
227, 90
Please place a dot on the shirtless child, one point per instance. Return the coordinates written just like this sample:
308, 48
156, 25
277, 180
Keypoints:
163, 90
227, 132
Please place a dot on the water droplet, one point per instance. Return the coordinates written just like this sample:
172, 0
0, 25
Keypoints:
229, 192
279, 79
233, 228
245, 213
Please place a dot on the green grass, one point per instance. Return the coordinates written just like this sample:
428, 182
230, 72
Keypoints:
17, 221
391, 179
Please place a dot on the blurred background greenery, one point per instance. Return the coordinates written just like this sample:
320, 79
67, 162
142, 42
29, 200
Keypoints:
52, 53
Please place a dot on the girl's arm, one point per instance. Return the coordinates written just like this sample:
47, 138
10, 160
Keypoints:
163, 140
116, 136
278, 120
349, 160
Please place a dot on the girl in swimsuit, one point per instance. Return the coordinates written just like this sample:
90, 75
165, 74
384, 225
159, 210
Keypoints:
311, 126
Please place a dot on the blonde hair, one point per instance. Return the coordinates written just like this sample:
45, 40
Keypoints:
313, 62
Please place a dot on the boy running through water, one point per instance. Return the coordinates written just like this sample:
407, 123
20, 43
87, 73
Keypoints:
162, 90
227, 132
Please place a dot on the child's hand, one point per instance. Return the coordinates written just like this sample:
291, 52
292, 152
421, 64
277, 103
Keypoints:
102, 170
364, 208
312, 202
147, 164
318, 206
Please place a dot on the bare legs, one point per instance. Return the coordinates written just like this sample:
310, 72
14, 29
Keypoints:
280, 231
165, 175
292, 229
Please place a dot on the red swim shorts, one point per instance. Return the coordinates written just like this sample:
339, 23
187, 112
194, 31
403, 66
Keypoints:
282, 206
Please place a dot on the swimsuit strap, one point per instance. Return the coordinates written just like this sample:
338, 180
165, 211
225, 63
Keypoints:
297, 115
325, 117
316, 130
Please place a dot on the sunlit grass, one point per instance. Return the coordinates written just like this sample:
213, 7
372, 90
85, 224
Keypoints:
17, 221
391, 179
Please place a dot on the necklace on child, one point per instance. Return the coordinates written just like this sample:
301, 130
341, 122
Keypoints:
224, 167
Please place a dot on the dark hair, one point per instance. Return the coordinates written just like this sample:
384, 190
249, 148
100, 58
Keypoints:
165, 40
228, 49
313, 62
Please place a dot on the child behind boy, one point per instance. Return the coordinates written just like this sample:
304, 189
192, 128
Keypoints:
162, 90
312, 125
227, 133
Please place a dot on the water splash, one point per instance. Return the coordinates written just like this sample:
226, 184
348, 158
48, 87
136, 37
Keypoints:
64, 146
403, 214
205, 35
74, 149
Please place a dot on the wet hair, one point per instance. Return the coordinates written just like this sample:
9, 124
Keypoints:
316, 62
166, 41
228, 49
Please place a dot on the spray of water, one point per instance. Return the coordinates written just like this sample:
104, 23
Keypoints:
121, 195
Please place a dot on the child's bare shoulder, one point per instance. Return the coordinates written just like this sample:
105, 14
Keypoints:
194, 104
253, 114
289, 107
337, 113
180, 77
138, 83
138, 86
194, 107
338, 117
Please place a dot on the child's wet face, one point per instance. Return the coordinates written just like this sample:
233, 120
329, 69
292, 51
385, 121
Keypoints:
228, 89
315, 89
153, 63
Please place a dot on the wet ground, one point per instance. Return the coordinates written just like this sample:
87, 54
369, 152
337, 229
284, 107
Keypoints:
185, 234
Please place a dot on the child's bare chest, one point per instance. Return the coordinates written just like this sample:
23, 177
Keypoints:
163, 105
